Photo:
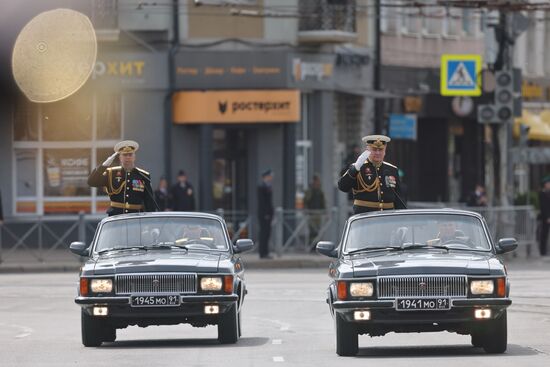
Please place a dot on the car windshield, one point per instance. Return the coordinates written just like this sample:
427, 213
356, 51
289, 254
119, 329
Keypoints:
184, 232
453, 231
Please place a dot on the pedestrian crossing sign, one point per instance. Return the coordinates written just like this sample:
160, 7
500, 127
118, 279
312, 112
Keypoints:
460, 75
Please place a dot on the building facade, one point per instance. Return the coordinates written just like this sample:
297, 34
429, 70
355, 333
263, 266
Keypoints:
221, 92
441, 157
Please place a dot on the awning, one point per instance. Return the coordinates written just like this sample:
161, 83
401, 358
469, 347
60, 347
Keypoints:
539, 125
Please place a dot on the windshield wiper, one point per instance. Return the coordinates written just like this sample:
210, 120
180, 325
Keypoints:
165, 246
378, 248
418, 245
116, 249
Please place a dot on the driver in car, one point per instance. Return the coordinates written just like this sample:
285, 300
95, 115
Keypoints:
193, 233
447, 233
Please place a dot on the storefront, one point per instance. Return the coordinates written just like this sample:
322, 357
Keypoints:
238, 113
54, 146
443, 160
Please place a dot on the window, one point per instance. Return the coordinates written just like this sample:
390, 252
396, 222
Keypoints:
26, 115
56, 145
69, 119
433, 21
389, 17
453, 22
411, 21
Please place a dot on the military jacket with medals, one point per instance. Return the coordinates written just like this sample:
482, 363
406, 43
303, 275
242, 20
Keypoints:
374, 187
129, 191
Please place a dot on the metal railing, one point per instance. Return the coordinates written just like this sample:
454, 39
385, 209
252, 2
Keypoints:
39, 236
299, 230
43, 238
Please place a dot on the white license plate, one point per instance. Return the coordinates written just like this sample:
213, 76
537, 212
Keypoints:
422, 304
155, 301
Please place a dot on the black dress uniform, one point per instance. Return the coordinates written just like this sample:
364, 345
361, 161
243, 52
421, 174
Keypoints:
129, 191
265, 214
374, 187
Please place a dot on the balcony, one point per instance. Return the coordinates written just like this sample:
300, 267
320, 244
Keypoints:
327, 21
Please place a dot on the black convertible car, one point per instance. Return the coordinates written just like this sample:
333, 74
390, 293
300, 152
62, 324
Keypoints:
415, 271
161, 269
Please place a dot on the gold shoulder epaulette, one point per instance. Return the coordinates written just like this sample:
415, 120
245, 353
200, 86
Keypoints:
143, 171
389, 164
115, 168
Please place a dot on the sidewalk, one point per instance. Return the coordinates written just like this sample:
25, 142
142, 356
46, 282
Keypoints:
64, 261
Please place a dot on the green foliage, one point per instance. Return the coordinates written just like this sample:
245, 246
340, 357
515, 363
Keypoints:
527, 198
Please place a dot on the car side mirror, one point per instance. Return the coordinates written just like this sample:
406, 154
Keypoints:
506, 245
79, 248
326, 248
243, 245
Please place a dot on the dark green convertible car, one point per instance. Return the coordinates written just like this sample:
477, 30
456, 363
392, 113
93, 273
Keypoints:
418, 271
161, 269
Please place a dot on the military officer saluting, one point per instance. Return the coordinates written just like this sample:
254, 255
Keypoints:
128, 187
373, 182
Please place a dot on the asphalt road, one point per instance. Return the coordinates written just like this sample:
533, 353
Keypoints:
286, 322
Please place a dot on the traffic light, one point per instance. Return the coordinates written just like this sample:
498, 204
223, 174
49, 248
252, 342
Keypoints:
506, 105
504, 95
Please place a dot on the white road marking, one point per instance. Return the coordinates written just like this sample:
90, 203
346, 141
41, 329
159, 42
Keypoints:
278, 359
277, 342
24, 331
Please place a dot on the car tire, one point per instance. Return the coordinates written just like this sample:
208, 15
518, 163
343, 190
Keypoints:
240, 323
228, 326
477, 339
92, 330
347, 343
495, 338
109, 333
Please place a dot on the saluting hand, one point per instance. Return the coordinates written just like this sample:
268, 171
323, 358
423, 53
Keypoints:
362, 158
109, 160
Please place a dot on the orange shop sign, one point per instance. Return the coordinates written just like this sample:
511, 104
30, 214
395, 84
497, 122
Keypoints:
236, 106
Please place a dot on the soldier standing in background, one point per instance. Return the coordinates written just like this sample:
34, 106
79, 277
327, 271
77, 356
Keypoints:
182, 194
265, 212
128, 187
544, 201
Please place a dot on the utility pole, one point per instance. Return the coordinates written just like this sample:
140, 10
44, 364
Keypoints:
377, 78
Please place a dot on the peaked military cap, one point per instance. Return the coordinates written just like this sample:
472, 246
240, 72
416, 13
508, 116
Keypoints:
126, 146
376, 141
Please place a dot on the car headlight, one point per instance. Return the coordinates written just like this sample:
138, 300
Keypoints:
101, 285
361, 289
482, 286
211, 284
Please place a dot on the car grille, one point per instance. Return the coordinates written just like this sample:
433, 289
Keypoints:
422, 286
156, 283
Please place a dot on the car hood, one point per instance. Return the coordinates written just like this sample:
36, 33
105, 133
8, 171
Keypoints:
157, 261
425, 262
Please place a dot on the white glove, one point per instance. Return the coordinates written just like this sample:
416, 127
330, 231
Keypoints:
362, 158
109, 160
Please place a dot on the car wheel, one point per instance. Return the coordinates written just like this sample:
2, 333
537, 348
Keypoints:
495, 338
228, 326
92, 330
240, 323
109, 333
477, 339
346, 337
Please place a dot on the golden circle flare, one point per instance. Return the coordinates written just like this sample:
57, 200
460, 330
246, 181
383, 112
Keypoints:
54, 55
